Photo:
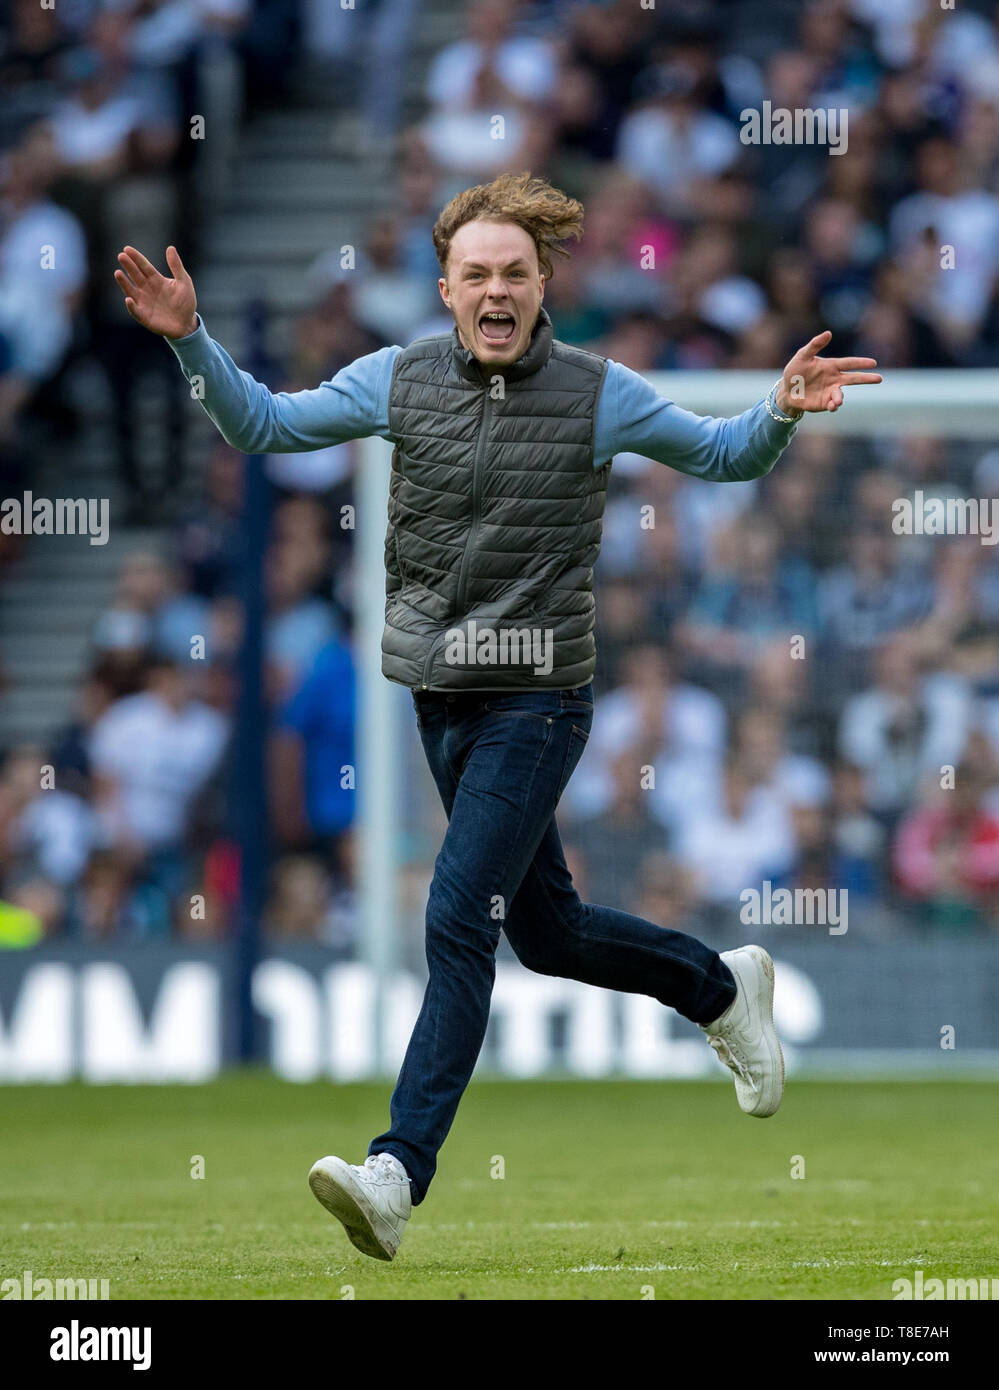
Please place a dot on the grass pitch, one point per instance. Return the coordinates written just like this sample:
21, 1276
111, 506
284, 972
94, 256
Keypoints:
609, 1189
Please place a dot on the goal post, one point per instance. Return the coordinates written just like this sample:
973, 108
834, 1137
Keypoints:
378, 740
949, 404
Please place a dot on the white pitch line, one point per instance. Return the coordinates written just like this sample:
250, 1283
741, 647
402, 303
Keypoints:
853, 1264
631, 1269
562, 1225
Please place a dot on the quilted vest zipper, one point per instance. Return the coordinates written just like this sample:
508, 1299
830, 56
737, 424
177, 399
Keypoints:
459, 602
480, 450
430, 656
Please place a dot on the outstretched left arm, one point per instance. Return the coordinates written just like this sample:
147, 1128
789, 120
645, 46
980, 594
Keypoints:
633, 418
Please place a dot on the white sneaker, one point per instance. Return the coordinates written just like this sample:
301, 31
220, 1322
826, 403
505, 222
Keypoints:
744, 1037
373, 1201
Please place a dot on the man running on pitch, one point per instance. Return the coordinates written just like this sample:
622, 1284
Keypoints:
503, 440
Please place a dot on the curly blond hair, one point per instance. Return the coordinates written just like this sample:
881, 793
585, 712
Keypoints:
545, 213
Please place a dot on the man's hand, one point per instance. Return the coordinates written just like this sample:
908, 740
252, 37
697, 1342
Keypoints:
162, 305
811, 382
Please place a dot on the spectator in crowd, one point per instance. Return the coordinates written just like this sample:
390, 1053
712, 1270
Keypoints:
681, 726
784, 687
299, 621
946, 853
807, 533
37, 40
790, 176
300, 899
843, 253
116, 133
580, 320
114, 103
308, 903
613, 279
44, 829
43, 274
388, 297
949, 208
752, 596
416, 179
908, 726
70, 754
151, 755
104, 909
671, 142
709, 275
493, 75
313, 776
328, 336
814, 864
151, 611
737, 844
206, 540
602, 59
867, 599
667, 894
615, 843
761, 743
859, 838
33, 913
622, 620
705, 517
975, 659
105, 111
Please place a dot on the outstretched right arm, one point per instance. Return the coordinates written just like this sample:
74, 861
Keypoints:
352, 405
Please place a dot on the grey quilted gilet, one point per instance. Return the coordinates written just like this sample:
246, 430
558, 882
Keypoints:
495, 517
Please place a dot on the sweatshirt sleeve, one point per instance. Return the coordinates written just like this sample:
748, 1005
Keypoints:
351, 405
633, 418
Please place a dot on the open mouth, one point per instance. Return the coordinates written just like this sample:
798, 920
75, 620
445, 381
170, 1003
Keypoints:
497, 326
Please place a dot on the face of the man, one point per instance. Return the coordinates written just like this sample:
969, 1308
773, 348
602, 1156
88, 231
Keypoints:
494, 289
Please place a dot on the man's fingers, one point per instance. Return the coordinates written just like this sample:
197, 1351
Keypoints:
859, 379
125, 284
853, 364
819, 341
128, 290
176, 264
134, 270
144, 267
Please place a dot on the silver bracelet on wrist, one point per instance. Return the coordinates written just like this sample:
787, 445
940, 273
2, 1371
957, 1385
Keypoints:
772, 410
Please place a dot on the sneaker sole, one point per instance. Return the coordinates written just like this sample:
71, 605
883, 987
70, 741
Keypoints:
765, 998
334, 1187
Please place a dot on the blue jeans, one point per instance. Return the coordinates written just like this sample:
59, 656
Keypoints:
501, 760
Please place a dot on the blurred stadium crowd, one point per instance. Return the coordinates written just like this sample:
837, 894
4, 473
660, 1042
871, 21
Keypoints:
820, 763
